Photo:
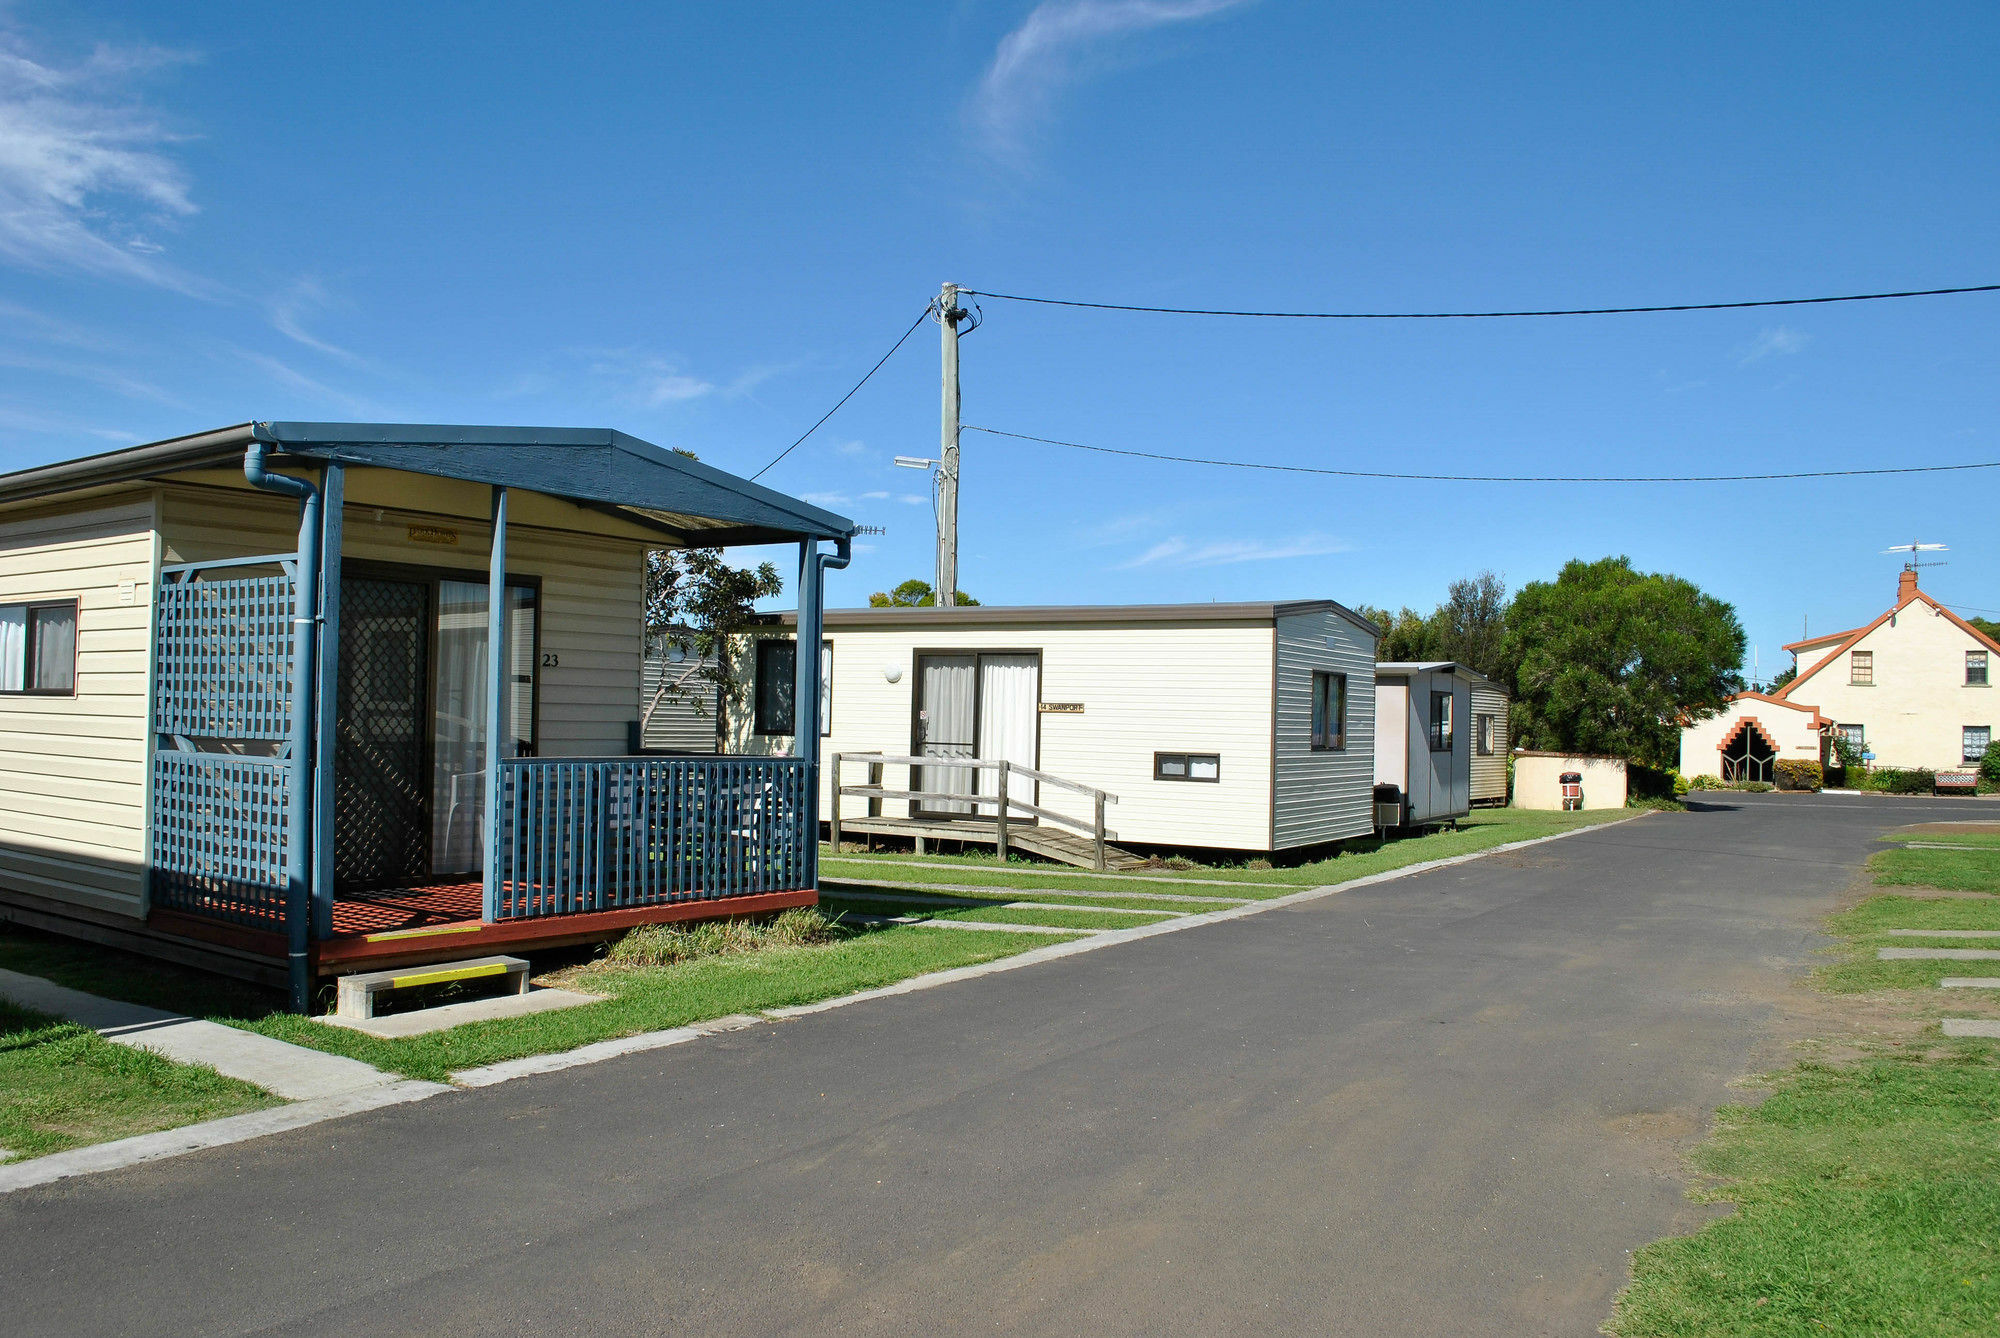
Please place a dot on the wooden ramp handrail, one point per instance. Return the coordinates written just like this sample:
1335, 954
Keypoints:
1002, 803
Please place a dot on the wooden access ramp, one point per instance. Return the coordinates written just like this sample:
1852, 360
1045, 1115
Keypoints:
998, 819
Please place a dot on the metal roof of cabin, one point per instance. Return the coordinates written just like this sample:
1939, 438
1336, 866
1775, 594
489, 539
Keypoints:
1026, 615
597, 467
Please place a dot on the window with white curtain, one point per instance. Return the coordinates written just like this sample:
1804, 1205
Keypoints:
38, 647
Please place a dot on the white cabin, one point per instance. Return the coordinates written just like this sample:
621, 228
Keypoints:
1423, 752
1227, 726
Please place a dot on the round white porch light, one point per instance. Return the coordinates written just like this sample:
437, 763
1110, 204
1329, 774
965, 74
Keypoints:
893, 672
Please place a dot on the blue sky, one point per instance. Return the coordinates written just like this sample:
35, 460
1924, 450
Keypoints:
702, 223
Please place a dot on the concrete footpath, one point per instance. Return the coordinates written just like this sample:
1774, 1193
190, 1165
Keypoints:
280, 1068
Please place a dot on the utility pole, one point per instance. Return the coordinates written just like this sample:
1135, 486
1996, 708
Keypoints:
946, 588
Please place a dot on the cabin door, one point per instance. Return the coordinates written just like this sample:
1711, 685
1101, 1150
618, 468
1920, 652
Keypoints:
981, 705
381, 831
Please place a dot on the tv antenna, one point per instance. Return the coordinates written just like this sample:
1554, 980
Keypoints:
1916, 551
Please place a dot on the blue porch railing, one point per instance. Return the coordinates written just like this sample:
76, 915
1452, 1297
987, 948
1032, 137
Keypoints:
598, 834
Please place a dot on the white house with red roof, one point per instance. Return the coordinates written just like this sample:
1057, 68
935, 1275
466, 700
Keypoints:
1913, 688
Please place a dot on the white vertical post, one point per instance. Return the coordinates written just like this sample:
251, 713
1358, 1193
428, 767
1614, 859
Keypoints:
496, 704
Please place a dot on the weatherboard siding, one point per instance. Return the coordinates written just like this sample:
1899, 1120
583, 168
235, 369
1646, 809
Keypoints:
1322, 796
1489, 771
592, 611
1144, 688
73, 769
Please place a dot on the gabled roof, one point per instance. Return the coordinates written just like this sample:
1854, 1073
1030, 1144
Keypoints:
1910, 595
1813, 642
597, 467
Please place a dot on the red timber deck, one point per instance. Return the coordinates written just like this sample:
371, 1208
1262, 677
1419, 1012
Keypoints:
409, 926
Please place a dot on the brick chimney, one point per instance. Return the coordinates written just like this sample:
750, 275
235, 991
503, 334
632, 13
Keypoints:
1906, 586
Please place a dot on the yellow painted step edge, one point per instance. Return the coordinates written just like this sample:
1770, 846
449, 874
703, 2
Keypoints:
439, 977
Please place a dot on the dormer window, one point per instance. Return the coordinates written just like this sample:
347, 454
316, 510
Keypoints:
1861, 668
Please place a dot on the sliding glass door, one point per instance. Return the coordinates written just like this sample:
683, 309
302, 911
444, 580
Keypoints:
458, 715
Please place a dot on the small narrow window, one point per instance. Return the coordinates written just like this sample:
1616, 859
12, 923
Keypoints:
1861, 668
38, 648
1329, 712
1187, 766
776, 686
1975, 668
1977, 739
1441, 736
1482, 733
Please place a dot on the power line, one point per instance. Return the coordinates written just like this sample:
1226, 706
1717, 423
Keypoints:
921, 317
1482, 315
1486, 478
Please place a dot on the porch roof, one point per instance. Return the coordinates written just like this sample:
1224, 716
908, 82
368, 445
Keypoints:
688, 501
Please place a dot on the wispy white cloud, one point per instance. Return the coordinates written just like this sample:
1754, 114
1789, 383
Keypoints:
1053, 49
293, 379
1179, 552
877, 495
290, 309
1776, 342
87, 181
851, 447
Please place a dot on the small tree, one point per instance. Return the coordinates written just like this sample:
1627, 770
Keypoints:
1605, 659
914, 595
1782, 679
693, 588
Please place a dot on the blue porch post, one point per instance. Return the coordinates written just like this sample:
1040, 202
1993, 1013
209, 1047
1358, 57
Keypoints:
332, 489
805, 697
496, 701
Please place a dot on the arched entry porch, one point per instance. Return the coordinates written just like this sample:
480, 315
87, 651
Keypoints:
1748, 753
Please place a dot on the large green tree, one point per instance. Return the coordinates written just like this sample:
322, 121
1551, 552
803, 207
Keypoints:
1605, 659
1469, 627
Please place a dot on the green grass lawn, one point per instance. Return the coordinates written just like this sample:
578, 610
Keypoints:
1954, 870
1965, 840
1867, 1193
62, 1086
997, 913
639, 999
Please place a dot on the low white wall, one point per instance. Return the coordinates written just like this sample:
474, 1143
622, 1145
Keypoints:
1538, 783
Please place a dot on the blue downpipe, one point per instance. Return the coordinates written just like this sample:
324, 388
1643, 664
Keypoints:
813, 566
298, 781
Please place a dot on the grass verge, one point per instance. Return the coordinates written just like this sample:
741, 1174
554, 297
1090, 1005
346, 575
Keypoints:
638, 998
1359, 858
63, 1086
1867, 1193
1953, 870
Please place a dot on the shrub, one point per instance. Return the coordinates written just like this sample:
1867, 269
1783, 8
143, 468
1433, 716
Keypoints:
1644, 782
1755, 787
1989, 765
1706, 783
1799, 774
1901, 780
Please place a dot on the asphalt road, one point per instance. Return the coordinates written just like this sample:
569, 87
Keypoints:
1448, 1104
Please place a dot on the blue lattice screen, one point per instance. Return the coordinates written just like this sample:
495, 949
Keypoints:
222, 674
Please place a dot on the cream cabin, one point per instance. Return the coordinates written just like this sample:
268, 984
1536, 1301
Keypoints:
1226, 726
248, 704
